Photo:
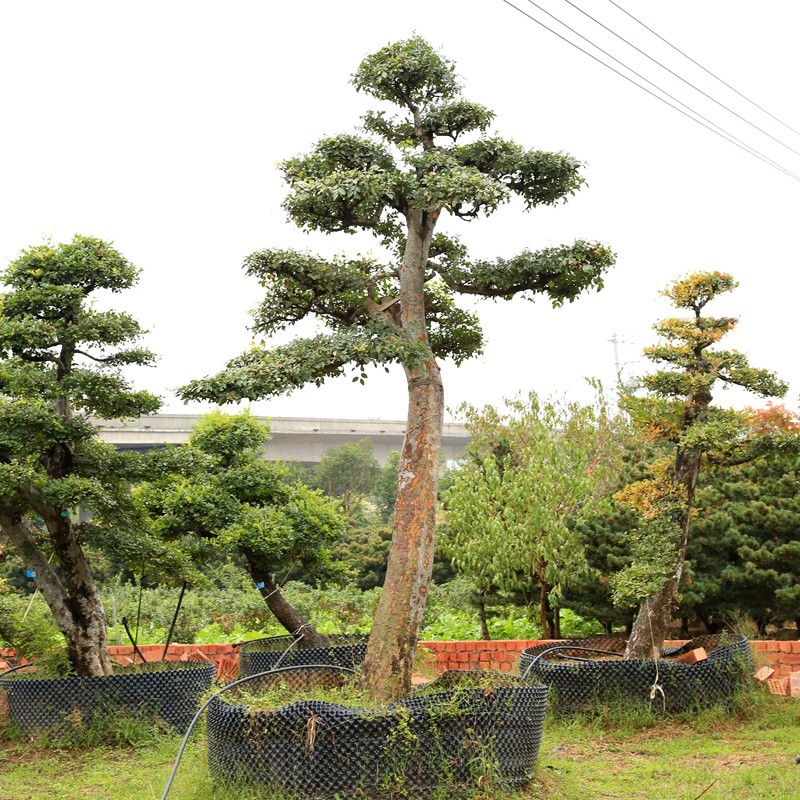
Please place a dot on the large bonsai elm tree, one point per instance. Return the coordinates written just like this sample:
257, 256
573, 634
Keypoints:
434, 158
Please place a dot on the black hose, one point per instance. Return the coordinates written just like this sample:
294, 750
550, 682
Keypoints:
569, 647
14, 669
225, 689
174, 620
133, 641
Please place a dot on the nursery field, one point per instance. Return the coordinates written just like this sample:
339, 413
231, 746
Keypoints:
746, 755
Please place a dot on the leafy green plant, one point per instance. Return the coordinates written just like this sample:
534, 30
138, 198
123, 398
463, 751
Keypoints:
535, 466
28, 627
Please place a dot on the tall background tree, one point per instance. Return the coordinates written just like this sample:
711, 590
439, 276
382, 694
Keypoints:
744, 552
349, 472
432, 159
534, 470
60, 362
678, 411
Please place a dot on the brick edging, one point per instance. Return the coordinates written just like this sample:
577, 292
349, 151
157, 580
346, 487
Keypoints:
503, 654
496, 654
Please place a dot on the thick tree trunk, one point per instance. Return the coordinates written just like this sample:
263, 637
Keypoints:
557, 622
395, 632
77, 607
544, 621
485, 635
389, 662
283, 611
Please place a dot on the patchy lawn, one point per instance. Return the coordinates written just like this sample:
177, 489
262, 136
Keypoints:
743, 756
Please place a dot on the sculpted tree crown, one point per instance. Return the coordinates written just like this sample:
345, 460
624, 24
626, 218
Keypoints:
679, 408
54, 343
397, 179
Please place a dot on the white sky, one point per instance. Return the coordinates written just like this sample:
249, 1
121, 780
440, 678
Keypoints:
158, 124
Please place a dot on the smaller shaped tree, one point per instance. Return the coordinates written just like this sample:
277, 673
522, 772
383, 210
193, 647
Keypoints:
511, 509
217, 489
678, 411
60, 362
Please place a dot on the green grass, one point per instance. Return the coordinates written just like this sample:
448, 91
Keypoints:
741, 756
745, 755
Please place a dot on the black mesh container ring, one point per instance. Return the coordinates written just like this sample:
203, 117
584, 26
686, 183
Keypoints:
314, 749
578, 681
170, 690
261, 655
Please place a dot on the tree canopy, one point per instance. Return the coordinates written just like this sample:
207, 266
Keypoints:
348, 472
433, 155
532, 472
217, 490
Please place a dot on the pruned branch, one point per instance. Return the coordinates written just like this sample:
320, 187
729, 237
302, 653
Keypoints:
264, 372
561, 273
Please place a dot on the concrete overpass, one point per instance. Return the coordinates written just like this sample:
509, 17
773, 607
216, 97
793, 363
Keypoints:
293, 438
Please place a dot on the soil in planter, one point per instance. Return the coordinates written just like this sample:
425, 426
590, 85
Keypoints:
270, 692
275, 691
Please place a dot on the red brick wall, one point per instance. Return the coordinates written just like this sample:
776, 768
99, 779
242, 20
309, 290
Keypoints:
504, 654
501, 654
784, 656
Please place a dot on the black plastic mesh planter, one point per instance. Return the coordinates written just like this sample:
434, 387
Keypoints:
260, 655
314, 749
579, 680
169, 690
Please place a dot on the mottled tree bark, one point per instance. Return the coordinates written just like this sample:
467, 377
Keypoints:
389, 662
77, 607
655, 613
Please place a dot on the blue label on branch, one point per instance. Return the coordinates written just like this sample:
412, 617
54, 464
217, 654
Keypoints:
65, 513
260, 585
31, 573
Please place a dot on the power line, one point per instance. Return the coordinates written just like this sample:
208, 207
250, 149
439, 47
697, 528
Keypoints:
721, 132
728, 134
680, 78
696, 63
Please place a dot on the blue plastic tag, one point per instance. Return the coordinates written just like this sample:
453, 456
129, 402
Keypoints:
31, 573
260, 585
65, 513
